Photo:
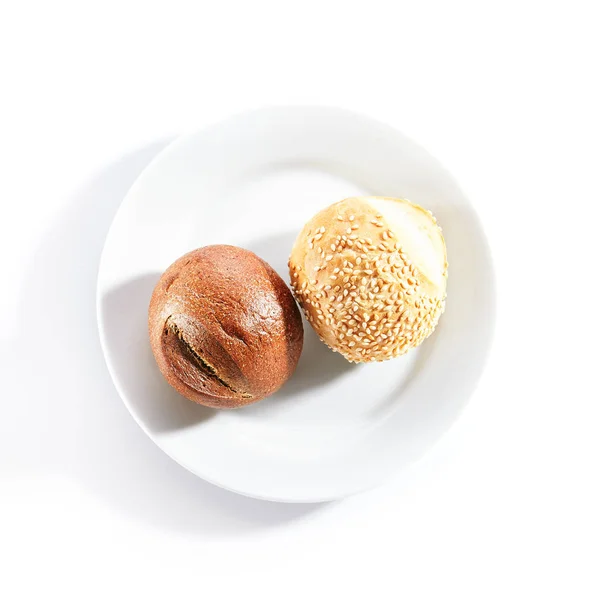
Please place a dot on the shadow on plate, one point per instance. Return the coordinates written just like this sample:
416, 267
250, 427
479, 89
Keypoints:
68, 418
318, 364
125, 316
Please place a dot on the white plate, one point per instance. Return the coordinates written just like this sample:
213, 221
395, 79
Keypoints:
334, 429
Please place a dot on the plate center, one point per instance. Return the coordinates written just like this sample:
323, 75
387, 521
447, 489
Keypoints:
326, 393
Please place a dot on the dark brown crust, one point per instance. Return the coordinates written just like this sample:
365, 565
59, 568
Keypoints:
224, 327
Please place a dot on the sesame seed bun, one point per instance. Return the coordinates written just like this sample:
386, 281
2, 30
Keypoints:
370, 274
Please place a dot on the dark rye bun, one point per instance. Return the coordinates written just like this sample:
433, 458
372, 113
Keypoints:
224, 327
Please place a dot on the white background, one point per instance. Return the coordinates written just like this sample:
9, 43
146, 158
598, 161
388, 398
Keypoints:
506, 94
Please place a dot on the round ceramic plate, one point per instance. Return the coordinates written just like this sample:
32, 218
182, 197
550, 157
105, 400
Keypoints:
253, 181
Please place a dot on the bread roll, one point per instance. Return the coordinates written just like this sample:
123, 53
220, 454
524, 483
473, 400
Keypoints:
224, 327
370, 274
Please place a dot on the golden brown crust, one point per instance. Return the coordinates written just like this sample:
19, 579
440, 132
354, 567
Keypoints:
359, 289
224, 327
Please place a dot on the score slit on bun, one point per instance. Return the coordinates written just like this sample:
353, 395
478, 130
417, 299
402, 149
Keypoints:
370, 274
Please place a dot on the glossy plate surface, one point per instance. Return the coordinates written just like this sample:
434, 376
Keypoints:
252, 181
